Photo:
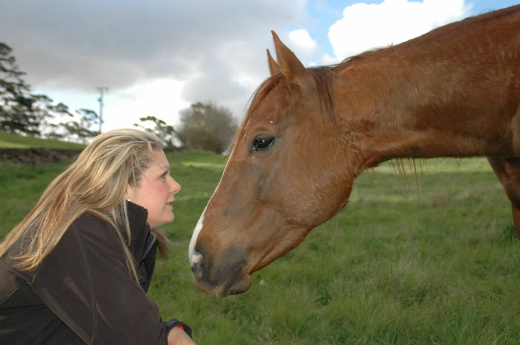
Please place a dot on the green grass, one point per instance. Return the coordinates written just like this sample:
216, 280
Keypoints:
430, 259
21, 142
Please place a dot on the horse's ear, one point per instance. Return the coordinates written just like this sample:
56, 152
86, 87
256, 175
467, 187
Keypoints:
288, 63
274, 67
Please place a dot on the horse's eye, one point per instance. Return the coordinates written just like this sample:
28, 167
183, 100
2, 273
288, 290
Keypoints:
262, 143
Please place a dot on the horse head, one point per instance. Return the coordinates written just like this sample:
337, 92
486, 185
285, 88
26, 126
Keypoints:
287, 173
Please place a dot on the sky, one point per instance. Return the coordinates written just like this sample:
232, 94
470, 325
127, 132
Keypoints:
157, 57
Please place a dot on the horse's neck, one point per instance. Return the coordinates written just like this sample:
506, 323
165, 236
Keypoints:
432, 99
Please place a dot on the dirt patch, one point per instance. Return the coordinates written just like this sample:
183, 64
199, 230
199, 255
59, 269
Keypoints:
36, 156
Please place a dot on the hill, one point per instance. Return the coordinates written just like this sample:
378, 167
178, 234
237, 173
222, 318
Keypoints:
33, 151
14, 141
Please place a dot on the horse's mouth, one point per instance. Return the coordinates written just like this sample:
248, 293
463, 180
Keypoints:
234, 283
229, 287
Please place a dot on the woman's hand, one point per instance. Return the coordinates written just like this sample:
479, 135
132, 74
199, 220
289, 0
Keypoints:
178, 337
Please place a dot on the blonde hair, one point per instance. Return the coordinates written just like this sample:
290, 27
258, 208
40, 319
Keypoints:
96, 183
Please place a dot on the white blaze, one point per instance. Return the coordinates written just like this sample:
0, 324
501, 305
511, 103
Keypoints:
192, 254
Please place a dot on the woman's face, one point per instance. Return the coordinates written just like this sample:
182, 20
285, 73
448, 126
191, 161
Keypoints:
155, 191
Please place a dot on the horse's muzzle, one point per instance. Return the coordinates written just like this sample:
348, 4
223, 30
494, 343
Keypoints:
222, 278
197, 265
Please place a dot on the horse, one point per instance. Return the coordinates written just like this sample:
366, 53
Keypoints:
309, 132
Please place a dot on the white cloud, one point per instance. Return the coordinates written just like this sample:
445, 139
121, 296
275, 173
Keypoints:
326, 60
302, 43
160, 98
364, 27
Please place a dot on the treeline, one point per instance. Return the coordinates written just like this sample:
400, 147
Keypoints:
203, 126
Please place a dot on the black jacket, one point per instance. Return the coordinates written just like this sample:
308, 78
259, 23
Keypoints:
83, 293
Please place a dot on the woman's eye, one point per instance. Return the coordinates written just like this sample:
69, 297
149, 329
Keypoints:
262, 143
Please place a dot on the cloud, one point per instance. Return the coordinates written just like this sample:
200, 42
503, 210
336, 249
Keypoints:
160, 98
302, 42
214, 49
122, 42
364, 27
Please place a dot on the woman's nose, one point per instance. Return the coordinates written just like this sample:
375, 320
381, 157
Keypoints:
175, 187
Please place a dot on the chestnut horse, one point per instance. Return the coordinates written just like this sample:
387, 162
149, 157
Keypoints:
453, 92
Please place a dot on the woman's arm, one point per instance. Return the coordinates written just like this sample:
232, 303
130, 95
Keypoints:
86, 283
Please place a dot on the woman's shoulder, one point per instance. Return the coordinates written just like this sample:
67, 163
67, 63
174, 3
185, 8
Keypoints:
89, 219
90, 244
93, 231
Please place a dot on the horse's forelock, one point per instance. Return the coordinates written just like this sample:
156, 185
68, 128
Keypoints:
258, 96
321, 76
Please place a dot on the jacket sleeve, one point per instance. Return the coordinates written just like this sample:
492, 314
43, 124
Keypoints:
86, 283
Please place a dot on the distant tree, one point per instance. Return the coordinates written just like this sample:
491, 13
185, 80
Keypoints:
163, 131
35, 115
206, 127
47, 113
16, 105
79, 129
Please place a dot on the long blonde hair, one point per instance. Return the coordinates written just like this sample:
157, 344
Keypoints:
97, 183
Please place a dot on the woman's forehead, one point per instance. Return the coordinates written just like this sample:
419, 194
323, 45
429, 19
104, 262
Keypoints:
159, 159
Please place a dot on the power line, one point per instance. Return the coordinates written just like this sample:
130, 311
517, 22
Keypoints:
100, 99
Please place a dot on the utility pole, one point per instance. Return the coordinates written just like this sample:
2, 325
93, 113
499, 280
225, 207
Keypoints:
100, 99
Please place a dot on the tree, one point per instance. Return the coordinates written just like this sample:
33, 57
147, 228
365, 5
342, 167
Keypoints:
16, 115
24, 113
206, 127
78, 129
163, 131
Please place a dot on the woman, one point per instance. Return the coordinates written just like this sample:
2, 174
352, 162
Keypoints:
76, 269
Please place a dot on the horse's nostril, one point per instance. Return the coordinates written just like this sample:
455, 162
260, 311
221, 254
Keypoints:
197, 264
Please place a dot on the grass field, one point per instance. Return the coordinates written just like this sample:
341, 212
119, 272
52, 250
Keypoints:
426, 260
19, 142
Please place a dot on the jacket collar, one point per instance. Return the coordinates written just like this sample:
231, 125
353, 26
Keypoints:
141, 239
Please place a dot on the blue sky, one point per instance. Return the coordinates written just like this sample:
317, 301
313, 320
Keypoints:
334, 10
159, 56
